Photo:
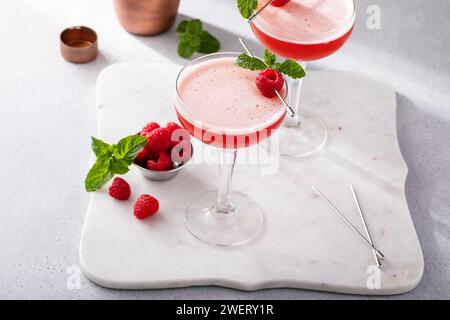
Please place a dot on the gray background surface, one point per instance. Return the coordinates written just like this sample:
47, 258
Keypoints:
47, 113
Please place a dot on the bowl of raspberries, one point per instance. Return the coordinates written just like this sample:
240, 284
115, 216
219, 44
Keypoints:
167, 151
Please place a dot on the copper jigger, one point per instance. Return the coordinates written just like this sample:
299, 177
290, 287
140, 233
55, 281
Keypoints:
79, 44
146, 17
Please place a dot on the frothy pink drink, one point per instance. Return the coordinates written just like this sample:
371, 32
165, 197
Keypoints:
305, 29
219, 103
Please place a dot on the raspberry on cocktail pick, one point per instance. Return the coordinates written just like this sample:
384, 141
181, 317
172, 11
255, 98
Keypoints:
279, 3
290, 110
269, 82
275, 3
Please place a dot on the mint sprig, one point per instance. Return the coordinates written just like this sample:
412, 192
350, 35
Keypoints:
247, 7
112, 160
288, 67
251, 63
192, 39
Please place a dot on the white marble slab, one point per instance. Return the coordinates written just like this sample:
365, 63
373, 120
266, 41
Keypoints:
303, 244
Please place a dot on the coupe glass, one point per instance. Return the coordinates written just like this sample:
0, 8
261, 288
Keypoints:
223, 217
306, 133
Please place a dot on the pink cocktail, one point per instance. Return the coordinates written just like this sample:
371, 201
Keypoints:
219, 104
304, 30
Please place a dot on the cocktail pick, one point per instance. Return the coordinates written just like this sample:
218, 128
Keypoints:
378, 252
253, 16
290, 110
355, 197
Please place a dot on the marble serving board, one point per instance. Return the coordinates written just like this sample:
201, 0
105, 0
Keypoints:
303, 244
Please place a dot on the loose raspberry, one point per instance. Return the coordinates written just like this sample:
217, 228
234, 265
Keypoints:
120, 189
145, 206
163, 163
158, 140
177, 134
279, 3
268, 81
149, 127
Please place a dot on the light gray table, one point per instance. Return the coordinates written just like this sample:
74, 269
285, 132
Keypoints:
47, 113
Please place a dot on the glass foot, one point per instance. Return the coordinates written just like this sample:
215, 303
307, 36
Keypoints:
207, 223
304, 139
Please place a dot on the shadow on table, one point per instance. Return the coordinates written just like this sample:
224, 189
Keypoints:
167, 43
424, 142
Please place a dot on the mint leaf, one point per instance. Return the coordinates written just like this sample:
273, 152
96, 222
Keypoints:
247, 7
99, 147
182, 26
185, 50
209, 44
192, 41
290, 68
194, 26
98, 175
195, 42
251, 63
188, 45
118, 166
112, 160
269, 58
128, 148
192, 38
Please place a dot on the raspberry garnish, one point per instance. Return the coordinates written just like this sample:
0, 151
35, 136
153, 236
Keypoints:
158, 140
268, 81
145, 206
120, 189
279, 3
163, 163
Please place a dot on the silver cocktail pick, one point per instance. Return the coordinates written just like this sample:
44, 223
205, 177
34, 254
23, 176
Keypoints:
291, 111
378, 252
259, 11
355, 197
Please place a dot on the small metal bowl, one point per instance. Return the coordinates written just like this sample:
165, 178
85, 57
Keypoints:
78, 44
163, 175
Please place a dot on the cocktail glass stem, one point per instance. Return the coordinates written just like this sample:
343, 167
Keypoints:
304, 134
227, 163
295, 90
224, 217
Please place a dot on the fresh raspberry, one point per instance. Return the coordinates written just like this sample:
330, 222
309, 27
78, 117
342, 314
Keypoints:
152, 156
120, 189
177, 134
158, 140
145, 206
142, 156
172, 126
268, 81
149, 127
279, 3
163, 163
